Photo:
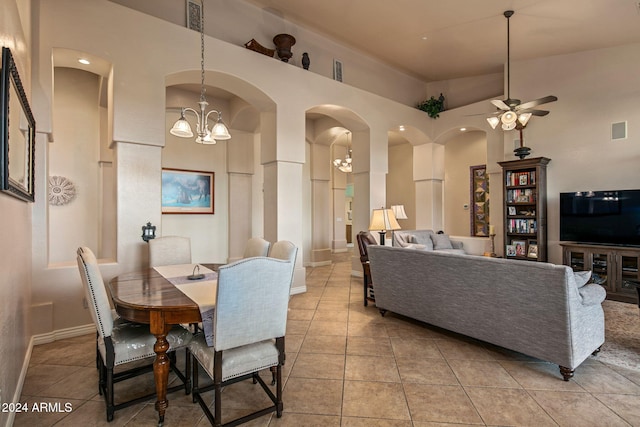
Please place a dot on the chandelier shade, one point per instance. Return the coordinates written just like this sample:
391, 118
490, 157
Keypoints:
345, 165
182, 128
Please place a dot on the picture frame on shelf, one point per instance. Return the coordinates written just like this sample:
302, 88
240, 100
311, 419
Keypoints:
523, 179
511, 210
532, 249
520, 247
511, 250
187, 191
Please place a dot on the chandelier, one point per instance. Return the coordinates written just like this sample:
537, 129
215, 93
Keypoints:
182, 128
344, 165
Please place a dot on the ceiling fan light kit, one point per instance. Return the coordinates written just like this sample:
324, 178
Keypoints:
512, 113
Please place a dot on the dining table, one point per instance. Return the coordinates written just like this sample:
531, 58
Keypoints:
146, 296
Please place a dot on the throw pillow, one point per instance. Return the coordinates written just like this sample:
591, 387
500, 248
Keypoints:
441, 241
423, 239
581, 277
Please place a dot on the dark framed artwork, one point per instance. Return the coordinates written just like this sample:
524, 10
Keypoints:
479, 189
187, 192
17, 134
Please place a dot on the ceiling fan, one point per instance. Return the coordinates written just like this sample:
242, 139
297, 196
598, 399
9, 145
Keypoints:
513, 114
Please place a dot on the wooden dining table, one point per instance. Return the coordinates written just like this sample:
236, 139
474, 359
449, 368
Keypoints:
145, 296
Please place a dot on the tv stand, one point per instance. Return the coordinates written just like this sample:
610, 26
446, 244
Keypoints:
613, 267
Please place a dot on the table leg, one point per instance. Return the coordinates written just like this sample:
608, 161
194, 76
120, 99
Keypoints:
161, 364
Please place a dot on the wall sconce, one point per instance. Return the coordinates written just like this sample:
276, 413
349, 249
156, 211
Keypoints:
148, 232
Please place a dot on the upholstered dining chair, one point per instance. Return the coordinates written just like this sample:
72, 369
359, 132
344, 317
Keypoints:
120, 343
169, 250
249, 324
256, 246
365, 239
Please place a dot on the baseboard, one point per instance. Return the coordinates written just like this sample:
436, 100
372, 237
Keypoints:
63, 333
298, 290
20, 384
357, 273
340, 250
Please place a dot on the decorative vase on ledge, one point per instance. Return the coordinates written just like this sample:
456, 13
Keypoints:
283, 44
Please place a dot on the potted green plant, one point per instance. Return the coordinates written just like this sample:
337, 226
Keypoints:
432, 106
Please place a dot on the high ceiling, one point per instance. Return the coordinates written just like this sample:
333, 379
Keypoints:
444, 39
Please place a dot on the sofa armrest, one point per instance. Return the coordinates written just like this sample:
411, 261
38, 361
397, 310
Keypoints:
592, 294
457, 244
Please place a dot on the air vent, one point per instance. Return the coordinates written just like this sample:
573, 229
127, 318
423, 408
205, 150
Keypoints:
618, 131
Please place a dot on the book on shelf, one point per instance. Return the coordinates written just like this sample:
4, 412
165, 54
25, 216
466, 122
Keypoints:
520, 178
526, 195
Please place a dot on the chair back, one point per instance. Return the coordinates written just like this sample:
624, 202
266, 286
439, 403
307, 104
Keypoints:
285, 250
95, 291
251, 302
256, 246
365, 239
169, 250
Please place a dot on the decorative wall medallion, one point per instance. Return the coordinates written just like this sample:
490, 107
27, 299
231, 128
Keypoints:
61, 191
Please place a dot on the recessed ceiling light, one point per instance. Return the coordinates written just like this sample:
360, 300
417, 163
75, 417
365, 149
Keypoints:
84, 61
463, 129
401, 128
424, 37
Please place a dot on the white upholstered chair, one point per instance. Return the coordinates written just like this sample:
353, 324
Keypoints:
256, 246
169, 250
249, 326
122, 342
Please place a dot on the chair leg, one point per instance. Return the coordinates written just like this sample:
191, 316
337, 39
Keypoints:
194, 381
217, 384
187, 371
109, 395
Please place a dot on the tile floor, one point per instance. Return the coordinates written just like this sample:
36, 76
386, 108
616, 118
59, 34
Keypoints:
348, 366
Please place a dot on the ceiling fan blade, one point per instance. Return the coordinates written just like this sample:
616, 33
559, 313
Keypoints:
536, 102
539, 113
500, 104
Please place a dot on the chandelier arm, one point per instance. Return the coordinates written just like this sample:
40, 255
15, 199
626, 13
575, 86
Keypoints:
206, 119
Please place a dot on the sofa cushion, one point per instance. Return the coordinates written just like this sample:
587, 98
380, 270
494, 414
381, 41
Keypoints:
423, 239
441, 241
581, 277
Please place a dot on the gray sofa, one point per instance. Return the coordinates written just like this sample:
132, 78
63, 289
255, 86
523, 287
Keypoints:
539, 309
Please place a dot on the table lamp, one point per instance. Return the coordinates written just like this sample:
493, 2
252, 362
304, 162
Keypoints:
383, 220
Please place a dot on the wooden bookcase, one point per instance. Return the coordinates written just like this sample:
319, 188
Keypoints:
524, 184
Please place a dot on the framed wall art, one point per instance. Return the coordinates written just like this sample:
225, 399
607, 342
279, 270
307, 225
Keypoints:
17, 133
479, 188
187, 192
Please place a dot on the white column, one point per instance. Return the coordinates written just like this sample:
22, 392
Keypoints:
428, 174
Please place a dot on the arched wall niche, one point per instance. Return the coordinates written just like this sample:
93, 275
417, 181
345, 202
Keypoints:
237, 163
81, 125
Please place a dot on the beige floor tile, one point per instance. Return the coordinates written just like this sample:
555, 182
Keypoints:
367, 329
331, 315
35, 417
326, 327
297, 327
448, 404
373, 422
313, 396
415, 348
303, 302
371, 368
300, 314
481, 373
314, 365
375, 346
330, 344
297, 420
599, 378
508, 407
539, 376
576, 409
425, 371
93, 413
293, 343
41, 377
463, 350
625, 405
367, 399
333, 305
83, 384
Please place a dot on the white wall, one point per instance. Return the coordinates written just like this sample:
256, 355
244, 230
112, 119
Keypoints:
15, 230
461, 152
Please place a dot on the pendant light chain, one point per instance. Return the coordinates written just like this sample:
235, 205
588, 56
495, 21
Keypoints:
202, 89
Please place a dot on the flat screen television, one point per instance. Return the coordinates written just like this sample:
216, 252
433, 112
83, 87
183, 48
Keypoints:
601, 217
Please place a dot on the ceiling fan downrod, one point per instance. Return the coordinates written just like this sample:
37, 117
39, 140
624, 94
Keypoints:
508, 14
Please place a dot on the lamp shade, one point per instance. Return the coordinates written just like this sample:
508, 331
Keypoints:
220, 131
383, 219
398, 211
181, 128
493, 121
